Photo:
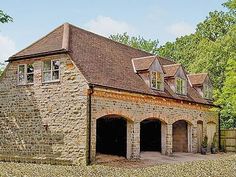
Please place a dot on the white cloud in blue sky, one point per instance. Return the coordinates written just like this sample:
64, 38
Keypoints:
106, 26
7, 48
180, 29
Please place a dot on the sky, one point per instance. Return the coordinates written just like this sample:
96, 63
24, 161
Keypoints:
151, 19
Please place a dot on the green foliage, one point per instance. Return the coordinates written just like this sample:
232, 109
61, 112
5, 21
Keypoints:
231, 5
4, 18
204, 142
215, 25
136, 42
227, 99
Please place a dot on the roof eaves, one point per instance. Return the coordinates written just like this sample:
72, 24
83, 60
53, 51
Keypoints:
14, 58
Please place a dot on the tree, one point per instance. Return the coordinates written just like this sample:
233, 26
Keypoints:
231, 5
150, 46
4, 18
216, 25
227, 99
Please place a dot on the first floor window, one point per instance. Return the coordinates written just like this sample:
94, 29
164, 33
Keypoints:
25, 74
156, 80
51, 70
181, 86
207, 91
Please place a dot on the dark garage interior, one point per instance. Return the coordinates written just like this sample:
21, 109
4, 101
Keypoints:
150, 135
111, 135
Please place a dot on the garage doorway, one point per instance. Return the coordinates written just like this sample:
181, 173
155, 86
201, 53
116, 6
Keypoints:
180, 136
111, 135
150, 135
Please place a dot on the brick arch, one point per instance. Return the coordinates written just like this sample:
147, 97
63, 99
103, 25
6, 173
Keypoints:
154, 118
188, 120
211, 121
120, 113
160, 117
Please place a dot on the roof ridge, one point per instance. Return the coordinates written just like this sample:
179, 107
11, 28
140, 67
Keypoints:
139, 58
197, 74
108, 39
36, 41
176, 64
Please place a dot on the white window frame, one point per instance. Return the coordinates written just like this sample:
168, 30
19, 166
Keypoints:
157, 81
51, 71
25, 81
183, 86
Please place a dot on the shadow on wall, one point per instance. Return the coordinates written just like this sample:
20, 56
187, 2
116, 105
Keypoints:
23, 134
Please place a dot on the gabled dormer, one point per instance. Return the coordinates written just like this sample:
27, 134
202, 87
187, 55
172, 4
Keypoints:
176, 78
202, 83
150, 70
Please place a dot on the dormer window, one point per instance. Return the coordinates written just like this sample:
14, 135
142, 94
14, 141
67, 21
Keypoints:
207, 91
156, 80
181, 86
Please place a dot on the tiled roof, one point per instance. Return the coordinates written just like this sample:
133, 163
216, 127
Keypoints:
170, 70
104, 62
197, 79
143, 63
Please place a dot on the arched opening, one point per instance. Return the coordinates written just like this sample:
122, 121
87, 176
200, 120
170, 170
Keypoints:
199, 135
211, 130
180, 136
111, 135
150, 135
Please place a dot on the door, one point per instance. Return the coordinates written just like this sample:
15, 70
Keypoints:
199, 135
211, 129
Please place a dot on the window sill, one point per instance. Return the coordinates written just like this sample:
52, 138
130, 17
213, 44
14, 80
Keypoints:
155, 89
51, 82
25, 84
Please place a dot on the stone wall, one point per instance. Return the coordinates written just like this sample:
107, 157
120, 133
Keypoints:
135, 108
26, 111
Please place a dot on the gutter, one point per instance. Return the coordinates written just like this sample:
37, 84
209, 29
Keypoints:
59, 51
90, 92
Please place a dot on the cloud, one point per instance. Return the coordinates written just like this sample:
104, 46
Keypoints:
7, 48
180, 29
106, 26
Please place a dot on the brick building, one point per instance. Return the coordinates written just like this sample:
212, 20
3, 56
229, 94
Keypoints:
74, 94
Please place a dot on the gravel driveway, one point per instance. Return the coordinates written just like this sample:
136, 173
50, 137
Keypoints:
222, 166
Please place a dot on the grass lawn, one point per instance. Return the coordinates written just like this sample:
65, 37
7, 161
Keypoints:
222, 167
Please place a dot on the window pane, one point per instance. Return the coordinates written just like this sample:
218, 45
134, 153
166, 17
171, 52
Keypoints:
47, 65
56, 64
21, 74
153, 77
30, 78
30, 68
158, 86
55, 75
47, 76
158, 76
